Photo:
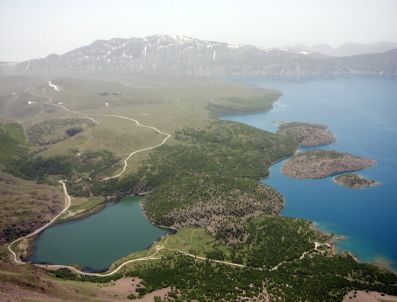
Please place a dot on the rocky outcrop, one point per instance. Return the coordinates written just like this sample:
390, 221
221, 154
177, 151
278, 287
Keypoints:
307, 134
354, 181
226, 217
323, 163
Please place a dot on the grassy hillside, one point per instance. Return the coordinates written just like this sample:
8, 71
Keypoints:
236, 105
53, 131
25, 206
204, 181
168, 103
12, 144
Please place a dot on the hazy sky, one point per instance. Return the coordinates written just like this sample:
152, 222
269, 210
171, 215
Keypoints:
36, 28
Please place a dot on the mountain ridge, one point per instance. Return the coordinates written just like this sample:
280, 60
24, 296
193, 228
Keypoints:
351, 49
174, 54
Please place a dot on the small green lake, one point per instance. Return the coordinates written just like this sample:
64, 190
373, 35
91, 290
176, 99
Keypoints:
98, 240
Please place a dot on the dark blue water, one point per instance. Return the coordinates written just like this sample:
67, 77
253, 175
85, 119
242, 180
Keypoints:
362, 112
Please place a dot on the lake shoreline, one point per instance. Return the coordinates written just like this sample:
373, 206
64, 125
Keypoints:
352, 136
95, 233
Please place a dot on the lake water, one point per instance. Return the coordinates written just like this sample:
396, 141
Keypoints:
362, 112
100, 239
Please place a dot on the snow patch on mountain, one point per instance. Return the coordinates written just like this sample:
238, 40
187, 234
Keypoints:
186, 55
53, 86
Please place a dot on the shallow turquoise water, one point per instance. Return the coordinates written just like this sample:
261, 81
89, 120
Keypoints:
362, 112
98, 240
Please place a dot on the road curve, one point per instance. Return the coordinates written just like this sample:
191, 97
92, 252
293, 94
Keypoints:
58, 266
167, 136
67, 205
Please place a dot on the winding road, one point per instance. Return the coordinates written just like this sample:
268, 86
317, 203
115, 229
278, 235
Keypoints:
68, 198
67, 205
158, 248
167, 136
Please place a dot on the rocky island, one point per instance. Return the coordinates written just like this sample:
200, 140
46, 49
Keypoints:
307, 134
354, 181
323, 163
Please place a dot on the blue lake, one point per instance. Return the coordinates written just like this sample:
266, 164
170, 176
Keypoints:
362, 112
100, 239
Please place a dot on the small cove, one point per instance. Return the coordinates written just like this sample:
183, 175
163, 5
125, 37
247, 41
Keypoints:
96, 241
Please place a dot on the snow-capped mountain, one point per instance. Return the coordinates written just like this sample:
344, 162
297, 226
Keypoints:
186, 55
